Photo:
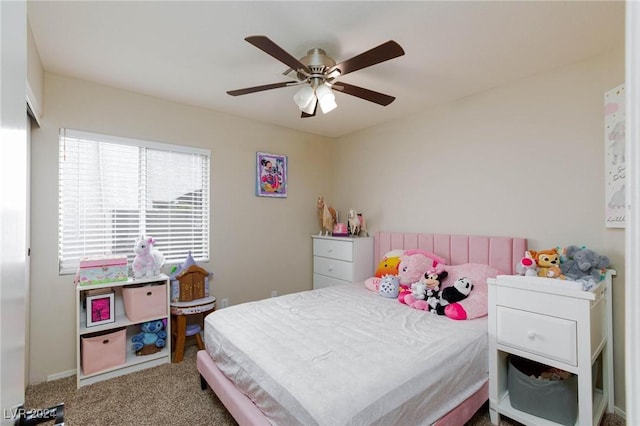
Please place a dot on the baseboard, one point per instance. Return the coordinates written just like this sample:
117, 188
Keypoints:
61, 375
620, 413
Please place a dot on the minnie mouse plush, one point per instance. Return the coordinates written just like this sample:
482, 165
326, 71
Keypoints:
433, 280
417, 295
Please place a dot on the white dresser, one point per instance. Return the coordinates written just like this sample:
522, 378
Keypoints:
539, 319
341, 260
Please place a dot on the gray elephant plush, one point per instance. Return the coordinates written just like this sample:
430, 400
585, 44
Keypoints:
583, 263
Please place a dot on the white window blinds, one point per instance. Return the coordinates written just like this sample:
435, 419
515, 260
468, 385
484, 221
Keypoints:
112, 190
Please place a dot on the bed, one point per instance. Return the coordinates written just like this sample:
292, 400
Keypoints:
345, 355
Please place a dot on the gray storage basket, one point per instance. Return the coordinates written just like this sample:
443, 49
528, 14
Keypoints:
555, 400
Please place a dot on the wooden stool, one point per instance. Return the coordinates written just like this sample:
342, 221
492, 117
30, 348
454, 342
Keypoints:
193, 330
180, 311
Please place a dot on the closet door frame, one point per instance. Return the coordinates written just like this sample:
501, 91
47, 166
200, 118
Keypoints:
632, 238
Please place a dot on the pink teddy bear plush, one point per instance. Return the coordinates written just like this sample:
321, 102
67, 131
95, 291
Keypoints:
414, 264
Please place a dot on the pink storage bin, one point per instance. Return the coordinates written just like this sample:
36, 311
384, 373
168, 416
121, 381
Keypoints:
103, 351
142, 303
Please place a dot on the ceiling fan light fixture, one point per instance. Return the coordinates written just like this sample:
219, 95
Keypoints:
328, 105
311, 106
326, 98
304, 97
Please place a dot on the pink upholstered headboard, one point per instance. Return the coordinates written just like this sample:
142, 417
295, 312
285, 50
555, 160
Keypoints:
500, 252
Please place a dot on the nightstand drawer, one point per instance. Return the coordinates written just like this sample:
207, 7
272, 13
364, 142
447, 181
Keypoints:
341, 250
333, 268
543, 335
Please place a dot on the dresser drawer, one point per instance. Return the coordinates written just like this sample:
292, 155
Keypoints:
341, 250
322, 281
543, 335
333, 268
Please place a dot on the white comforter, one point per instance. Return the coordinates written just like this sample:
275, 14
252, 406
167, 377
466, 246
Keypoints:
346, 356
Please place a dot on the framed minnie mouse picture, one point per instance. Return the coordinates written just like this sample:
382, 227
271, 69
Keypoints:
100, 309
271, 175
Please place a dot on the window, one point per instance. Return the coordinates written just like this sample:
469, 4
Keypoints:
112, 190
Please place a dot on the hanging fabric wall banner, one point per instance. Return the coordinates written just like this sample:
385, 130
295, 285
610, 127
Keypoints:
615, 165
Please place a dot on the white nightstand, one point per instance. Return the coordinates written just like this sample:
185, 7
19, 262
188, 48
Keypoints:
341, 260
538, 319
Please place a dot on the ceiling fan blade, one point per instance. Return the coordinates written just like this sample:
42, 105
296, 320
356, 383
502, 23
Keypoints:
366, 94
269, 47
384, 52
315, 108
261, 88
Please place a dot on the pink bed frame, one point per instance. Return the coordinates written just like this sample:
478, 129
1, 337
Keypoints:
499, 252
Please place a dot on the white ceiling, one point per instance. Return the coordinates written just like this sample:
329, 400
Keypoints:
193, 52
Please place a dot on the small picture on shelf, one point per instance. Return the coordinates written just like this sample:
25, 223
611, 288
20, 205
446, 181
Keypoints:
100, 309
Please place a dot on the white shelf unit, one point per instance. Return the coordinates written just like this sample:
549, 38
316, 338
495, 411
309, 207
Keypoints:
133, 362
341, 260
539, 319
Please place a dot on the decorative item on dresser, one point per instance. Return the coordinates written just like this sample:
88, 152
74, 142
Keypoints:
326, 215
341, 260
340, 230
363, 225
546, 321
353, 221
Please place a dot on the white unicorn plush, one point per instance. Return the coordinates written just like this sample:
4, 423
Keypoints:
148, 260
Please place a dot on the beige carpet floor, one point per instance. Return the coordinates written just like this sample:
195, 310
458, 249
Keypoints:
165, 395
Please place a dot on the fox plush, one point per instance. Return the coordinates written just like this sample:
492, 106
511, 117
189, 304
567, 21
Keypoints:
548, 261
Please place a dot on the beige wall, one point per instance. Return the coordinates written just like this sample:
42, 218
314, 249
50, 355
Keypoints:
525, 159
257, 244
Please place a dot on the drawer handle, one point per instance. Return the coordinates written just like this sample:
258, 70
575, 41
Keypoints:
105, 342
149, 293
330, 268
531, 334
330, 250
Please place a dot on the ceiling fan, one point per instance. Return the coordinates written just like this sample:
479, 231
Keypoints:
318, 74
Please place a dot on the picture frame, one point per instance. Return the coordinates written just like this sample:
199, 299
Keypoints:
100, 309
271, 175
